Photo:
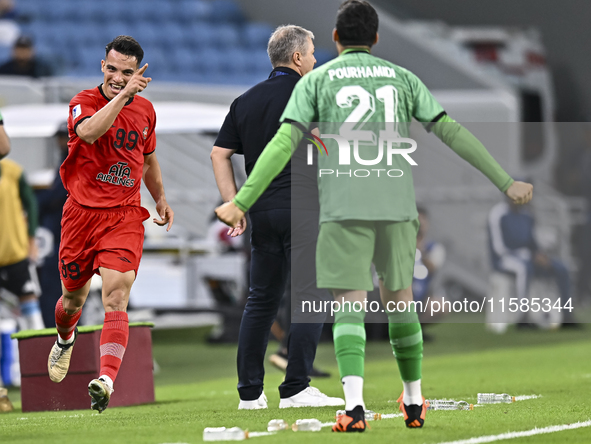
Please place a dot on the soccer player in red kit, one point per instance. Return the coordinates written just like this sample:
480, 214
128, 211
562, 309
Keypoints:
111, 149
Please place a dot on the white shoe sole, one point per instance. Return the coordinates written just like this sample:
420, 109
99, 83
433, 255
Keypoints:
286, 404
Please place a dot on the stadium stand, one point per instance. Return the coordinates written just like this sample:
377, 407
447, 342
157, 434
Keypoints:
203, 41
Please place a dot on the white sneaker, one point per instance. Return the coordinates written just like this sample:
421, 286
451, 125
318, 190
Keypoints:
310, 397
257, 404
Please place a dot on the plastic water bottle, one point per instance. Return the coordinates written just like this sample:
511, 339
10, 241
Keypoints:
306, 425
448, 404
276, 425
370, 415
494, 398
224, 434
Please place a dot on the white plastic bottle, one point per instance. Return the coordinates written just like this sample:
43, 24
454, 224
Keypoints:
224, 434
306, 425
495, 398
370, 415
276, 425
448, 404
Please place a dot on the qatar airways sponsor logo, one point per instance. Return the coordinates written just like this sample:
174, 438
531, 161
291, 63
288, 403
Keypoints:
387, 146
118, 175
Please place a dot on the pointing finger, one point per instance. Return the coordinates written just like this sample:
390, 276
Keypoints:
142, 70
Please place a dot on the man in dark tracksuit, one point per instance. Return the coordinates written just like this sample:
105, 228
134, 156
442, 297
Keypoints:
251, 123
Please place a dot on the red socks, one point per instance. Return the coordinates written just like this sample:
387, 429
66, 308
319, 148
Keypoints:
64, 322
113, 342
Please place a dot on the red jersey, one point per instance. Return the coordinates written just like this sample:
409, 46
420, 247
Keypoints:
108, 173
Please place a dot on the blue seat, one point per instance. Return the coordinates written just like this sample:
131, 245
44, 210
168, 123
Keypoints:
256, 35
226, 36
152, 11
200, 35
259, 63
226, 11
5, 54
157, 61
145, 33
56, 11
182, 59
90, 61
117, 28
210, 62
188, 11
322, 56
172, 35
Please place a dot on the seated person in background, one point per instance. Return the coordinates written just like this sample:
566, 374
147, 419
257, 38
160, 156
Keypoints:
514, 250
24, 62
429, 258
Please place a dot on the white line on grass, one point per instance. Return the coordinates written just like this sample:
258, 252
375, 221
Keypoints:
526, 397
392, 415
255, 434
511, 435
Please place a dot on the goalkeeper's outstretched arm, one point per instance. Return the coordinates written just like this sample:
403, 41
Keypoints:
469, 148
271, 162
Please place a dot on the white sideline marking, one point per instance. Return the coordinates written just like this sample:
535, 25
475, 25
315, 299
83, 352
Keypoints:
526, 397
392, 415
511, 435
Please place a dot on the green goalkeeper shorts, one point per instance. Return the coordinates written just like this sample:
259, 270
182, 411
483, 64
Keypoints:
346, 250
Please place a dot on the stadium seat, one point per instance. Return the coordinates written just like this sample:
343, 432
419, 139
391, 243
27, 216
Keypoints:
322, 56
256, 35
157, 60
226, 11
115, 28
200, 35
189, 11
146, 34
172, 35
5, 53
155, 12
184, 40
226, 36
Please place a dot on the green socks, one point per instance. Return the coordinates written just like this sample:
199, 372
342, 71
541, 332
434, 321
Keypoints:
349, 342
406, 338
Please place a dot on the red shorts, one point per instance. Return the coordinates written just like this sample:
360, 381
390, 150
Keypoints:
93, 237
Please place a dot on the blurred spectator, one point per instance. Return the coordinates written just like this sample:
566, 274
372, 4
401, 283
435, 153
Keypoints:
51, 201
7, 10
514, 250
9, 30
429, 258
24, 62
18, 248
583, 245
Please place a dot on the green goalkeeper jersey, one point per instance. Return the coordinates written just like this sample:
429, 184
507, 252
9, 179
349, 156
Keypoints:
367, 101
362, 106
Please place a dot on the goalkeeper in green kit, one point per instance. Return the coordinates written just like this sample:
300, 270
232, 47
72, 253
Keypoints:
365, 220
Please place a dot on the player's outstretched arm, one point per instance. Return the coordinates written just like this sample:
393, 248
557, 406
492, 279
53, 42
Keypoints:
221, 160
270, 163
520, 193
91, 129
153, 179
469, 148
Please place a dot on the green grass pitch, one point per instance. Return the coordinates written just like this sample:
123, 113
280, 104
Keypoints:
196, 388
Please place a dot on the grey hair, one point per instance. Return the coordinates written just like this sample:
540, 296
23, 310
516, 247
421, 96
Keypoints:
285, 41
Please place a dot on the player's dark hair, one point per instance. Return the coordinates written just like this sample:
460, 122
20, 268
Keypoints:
357, 23
126, 45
